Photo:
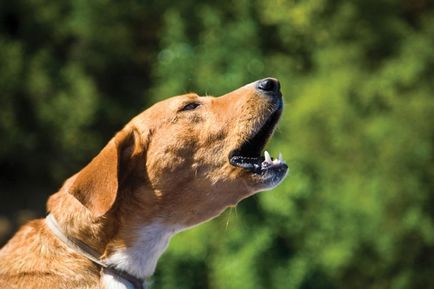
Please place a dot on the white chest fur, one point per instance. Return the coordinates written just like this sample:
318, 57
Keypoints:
140, 259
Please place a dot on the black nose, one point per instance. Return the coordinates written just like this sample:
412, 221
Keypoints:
269, 85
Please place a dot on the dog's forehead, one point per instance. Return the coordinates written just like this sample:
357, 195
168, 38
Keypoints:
180, 99
162, 110
174, 102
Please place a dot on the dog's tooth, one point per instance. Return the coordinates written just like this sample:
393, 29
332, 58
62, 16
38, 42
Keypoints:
280, 157
267, 157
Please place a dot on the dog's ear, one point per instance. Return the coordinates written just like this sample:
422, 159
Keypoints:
96, 186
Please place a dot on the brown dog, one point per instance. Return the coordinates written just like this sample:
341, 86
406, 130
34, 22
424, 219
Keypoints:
175, 165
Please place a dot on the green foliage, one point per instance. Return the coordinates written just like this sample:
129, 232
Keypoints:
356, 210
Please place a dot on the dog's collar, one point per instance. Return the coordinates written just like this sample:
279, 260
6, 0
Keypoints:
83, 249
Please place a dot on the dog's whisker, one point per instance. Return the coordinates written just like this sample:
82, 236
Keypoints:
228, 219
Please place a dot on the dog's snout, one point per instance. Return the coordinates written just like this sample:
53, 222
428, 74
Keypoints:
269, 85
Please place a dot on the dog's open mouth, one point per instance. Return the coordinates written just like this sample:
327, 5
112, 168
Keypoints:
248, 155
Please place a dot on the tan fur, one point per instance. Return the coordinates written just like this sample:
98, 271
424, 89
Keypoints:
165, 163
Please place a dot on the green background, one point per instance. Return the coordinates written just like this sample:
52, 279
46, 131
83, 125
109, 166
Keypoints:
357, 208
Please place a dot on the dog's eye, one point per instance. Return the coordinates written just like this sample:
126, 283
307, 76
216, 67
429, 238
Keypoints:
190, 106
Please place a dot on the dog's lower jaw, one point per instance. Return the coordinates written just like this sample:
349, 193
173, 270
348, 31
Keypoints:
140, 259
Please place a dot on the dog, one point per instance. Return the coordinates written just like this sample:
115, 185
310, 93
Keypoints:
177, 164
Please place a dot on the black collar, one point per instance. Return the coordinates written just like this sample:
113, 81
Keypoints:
83, 249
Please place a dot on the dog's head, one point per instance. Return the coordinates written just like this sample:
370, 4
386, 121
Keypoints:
188, 157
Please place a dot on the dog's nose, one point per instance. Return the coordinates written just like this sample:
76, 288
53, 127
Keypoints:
269, 85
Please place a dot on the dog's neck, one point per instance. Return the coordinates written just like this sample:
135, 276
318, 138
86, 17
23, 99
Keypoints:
140, 257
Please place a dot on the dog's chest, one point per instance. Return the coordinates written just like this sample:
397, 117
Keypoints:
141, 259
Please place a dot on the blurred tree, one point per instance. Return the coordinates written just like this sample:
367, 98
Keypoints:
71, 74
357, 208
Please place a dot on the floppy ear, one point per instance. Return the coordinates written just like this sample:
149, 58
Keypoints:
96, 186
